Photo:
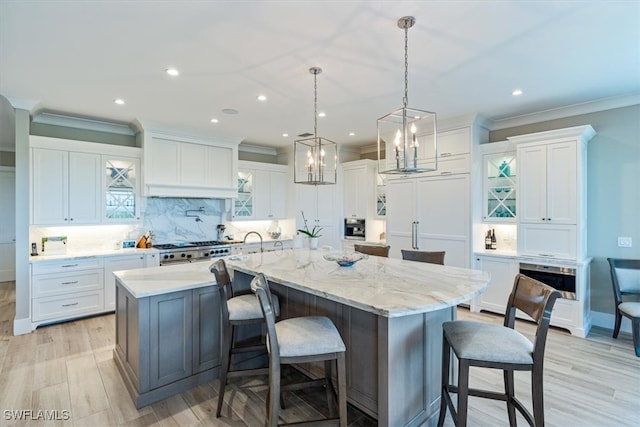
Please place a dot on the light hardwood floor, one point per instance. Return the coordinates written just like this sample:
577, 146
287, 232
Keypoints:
69, 367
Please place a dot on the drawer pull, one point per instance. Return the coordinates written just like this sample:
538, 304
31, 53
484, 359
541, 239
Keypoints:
445, 154
69, 283
69, 265
70, 305
445, 173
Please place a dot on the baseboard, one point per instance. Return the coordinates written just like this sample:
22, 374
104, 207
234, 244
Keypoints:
21, 326
607, 320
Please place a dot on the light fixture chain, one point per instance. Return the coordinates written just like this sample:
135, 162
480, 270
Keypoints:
315, 105
406, 67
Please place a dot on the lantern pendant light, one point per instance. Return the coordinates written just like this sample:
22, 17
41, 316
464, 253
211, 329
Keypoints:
315, 159
407, 137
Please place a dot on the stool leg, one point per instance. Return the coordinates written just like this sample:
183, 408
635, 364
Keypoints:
537, 395
509, 390
227, 332
273, 399
446, 357
342, 389
635, 330
616, 327
463, 392
330, 396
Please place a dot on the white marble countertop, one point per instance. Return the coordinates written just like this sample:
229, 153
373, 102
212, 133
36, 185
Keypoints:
384, 286
145, 282
92, 253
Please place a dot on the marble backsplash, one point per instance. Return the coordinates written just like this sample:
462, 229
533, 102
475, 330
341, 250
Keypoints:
173, 220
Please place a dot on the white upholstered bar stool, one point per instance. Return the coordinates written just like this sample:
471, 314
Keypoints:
235, 310
302, 340
499, 347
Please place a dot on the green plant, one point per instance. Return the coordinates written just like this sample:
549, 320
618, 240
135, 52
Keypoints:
314, 232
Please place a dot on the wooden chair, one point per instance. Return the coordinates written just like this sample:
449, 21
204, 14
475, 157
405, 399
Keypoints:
499, 347
382, 251
302, 340
625, 277
431, 257
235, 310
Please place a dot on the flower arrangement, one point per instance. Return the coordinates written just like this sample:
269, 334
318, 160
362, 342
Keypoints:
314, 232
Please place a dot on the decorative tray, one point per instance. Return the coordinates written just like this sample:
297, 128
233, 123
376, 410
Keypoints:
345, 259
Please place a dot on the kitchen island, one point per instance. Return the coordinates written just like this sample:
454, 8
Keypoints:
389, 313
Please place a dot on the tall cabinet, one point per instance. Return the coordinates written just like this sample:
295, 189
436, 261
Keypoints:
432, 211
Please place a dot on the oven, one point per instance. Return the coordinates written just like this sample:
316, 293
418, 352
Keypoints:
174, 253
354, 229
560, 278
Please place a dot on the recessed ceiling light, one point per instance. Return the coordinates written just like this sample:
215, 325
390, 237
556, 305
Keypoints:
214, 120
119, 101
516, 92
351, 133
322, 114
262, 97
172, 72
285, 135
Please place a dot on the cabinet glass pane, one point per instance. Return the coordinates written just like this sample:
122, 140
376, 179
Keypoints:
381, 196
243, 206
120, 190
500, 187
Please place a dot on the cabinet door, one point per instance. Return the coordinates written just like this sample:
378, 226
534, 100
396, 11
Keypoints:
121, 189
278, 195
503, 272
170, 338
562, 183
532, 182
355, 189
262, 194
401, 215
327, 214
85, 188
116, 264
50, 186
163, 156
244, 204
220, 167
206, 328
193, 164
444, 217
499, 197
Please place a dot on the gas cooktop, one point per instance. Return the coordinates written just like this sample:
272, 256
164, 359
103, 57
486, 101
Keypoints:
192, 251
181, 245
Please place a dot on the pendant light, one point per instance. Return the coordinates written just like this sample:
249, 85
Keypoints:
407, 137
315, 159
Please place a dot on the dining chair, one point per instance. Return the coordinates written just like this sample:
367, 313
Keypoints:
493, 346
236, 309
302, 340
625, 277
431, 257
382, 251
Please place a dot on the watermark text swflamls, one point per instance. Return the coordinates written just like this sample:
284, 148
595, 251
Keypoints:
37, 415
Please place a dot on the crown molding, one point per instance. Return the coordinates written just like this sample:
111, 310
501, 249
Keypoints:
83, 123
567, 111
31, 105
258, 149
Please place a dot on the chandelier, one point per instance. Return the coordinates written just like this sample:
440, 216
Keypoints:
407, 137
315, 158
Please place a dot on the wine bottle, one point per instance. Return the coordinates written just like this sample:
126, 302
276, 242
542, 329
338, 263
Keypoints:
487, 240
493, 239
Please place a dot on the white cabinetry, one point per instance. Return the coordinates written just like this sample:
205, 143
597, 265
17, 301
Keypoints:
503, 271
318, 202
117, 263
499, 176
261, 191
65, 187
187, 167
66, 289
359, 185
121, 188
552, 192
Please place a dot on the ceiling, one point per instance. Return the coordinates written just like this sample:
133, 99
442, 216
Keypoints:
465, 57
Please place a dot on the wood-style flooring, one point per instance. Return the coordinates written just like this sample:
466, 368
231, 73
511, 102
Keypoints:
68, 371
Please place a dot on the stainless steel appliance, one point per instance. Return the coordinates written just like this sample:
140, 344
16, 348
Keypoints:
171, 253
354, 229
560, 278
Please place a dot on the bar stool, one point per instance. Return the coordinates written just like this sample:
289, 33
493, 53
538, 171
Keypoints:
382, 251
499, 347
302, 340
235, 310
431, 257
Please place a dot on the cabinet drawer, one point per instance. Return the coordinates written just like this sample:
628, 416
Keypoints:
67, 306
72, 264
451, 165
64, 283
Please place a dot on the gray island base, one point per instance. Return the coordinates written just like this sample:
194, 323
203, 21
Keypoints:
389, 313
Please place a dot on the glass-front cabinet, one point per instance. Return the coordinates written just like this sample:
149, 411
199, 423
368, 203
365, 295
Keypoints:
122, 189
499, 199
381, 196
243, 205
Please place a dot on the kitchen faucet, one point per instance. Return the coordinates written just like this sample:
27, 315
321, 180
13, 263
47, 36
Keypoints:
253, 232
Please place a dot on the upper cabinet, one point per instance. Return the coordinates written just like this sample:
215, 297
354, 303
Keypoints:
187, 167
75, 182
261, 191
360, 190
552, 192
499, 182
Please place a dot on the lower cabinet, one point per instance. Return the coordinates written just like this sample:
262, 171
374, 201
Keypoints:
503, 272
167, 343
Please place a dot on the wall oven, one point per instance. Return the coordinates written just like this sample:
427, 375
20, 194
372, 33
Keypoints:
560, 278
354, 229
